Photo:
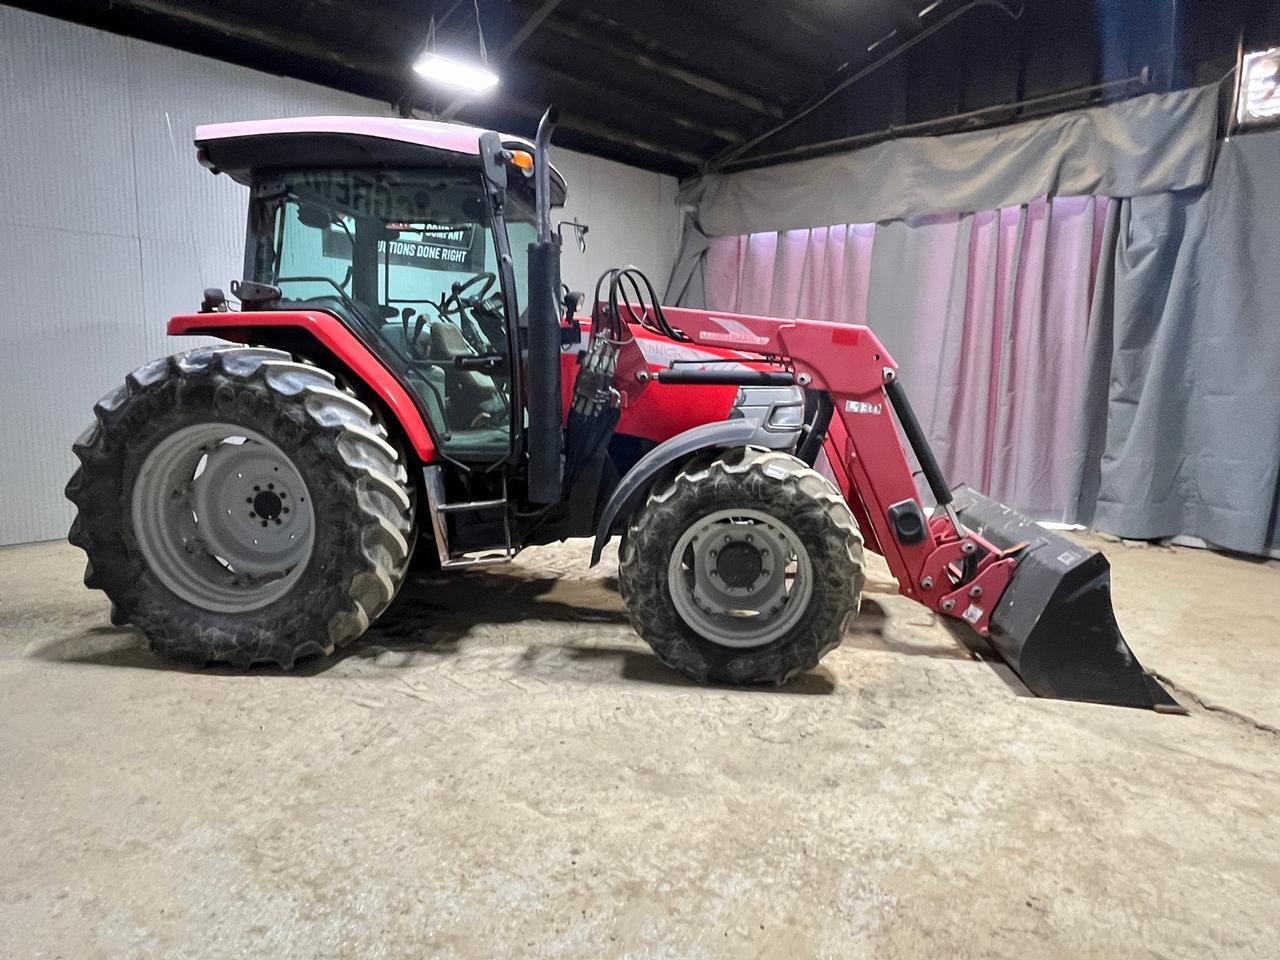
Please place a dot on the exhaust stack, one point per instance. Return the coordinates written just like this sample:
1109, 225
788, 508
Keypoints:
545, 437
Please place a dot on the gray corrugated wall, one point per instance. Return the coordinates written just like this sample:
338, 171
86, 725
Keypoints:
108, 226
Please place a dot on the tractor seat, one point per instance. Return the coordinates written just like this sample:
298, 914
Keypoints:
447, 342
477, 409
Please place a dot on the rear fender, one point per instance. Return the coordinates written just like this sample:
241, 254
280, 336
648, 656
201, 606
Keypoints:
268, 327
634, 487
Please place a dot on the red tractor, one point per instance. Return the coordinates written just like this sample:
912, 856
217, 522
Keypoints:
405, 375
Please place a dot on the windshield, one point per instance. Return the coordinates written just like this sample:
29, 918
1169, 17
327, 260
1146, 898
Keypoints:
409, 256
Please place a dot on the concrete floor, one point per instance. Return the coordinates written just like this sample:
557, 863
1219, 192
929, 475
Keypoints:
501, 769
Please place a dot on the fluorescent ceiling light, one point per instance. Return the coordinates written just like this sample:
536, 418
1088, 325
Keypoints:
1260, 87
454, 73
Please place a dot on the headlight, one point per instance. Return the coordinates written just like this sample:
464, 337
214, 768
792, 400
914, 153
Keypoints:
786, 416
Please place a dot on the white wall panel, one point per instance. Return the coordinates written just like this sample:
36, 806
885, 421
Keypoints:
64, 127
70, 315
108, 226
302, 99
632, 215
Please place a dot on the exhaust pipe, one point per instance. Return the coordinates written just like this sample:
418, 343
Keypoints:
545, 437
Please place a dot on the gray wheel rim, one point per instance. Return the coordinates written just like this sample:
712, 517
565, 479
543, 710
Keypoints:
222, 517
753, 601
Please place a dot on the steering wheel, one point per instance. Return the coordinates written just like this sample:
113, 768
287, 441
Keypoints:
456, 299
463, 305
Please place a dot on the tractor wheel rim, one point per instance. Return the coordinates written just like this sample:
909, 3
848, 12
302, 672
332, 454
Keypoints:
740, 578
222, 517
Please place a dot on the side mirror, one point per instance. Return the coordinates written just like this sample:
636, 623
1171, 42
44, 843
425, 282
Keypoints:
579, 232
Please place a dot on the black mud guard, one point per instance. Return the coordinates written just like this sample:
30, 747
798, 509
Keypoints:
634, 487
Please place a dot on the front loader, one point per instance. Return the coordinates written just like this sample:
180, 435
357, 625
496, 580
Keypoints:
406, 381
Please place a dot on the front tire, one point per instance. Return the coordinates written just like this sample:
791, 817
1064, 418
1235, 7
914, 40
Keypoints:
743, 569
239, 507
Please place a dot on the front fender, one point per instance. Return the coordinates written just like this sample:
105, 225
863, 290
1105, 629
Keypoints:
633, 487
325, 329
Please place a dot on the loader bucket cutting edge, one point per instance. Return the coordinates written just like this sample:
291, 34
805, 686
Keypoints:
1054, 624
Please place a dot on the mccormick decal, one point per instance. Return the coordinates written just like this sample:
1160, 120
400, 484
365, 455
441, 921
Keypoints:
663, 353
734, 332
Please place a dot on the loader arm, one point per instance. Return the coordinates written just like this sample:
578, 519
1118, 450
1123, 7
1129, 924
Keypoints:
1043, 602
864, 449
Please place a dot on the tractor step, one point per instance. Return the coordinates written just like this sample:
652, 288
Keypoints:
440, 508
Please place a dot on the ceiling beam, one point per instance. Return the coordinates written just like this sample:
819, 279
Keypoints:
969, 120
601, 131
665, 67
824, 33
635, 103
284, 41
843, 79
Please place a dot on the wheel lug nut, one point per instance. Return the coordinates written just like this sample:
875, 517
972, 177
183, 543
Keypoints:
271, 486
256, 489
285, 510
248, 499
252, 515
264, 523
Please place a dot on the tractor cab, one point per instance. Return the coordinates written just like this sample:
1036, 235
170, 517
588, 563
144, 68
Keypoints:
416, 235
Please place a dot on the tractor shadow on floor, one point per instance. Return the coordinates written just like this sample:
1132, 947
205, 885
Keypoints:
641, 666
435, 614
432, 615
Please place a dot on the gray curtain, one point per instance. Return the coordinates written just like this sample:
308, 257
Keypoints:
686, 287
1183, 392
1178, 430
1141, 146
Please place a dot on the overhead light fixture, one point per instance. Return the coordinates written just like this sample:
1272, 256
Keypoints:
1259, 96
467, 77
454, 73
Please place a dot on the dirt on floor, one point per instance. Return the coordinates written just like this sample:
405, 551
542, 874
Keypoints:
501, 768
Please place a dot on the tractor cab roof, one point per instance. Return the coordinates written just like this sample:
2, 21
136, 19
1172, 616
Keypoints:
239, 148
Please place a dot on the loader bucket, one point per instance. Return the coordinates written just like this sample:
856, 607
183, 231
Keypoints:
1054, 624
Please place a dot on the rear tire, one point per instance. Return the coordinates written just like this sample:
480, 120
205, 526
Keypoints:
791, 509
149, 549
